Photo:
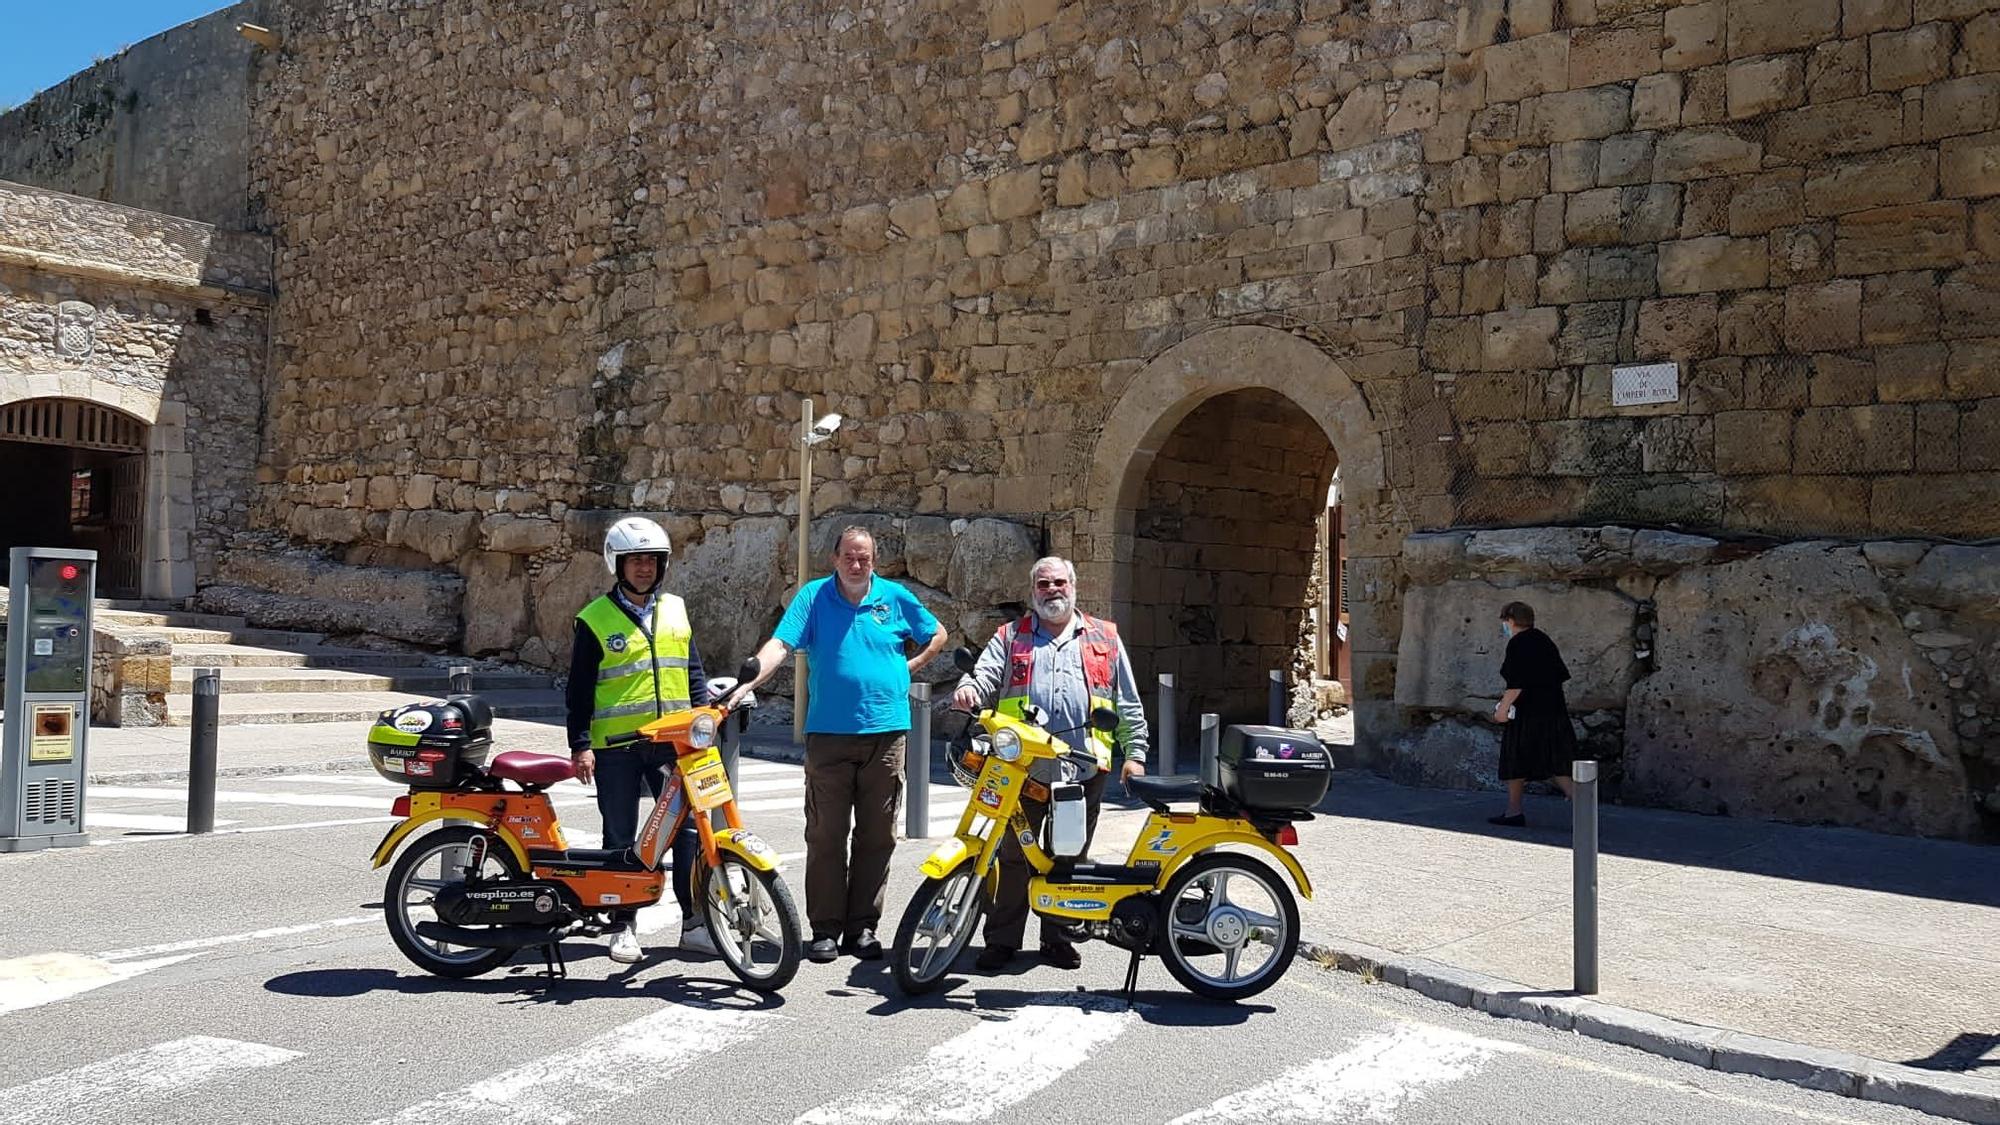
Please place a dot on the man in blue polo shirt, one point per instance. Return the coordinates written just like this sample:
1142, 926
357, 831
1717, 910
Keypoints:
857, 631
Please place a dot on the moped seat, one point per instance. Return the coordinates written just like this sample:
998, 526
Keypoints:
539, 770
1159, 792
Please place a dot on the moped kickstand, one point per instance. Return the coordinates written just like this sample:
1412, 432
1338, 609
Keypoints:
554, 966
1131, 981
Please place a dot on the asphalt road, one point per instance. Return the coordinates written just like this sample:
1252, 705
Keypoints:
247, 977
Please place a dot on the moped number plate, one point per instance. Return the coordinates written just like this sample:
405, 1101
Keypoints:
707, 780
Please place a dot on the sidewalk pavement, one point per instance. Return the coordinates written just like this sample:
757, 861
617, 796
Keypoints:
1812, 955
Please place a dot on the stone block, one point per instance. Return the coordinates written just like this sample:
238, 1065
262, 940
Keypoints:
1695, 154
1678, 443
1766, 202
1656, 102
1762, 85
1761, 29
1899, 59
1973, 369
496, 603
1969, 167
1677, 328
1626, 159
1519, 340
1980, 39
1577, 115
1523, 68
1523, 174
1961, 106
506, 533
1900, 308
1016, 194
1712, 264
916, 216
1359, 119
1693, 35
1750, 323
1815, 133
1823, 317
1894, 176
1842, 379
1863, 17
1836, 71
1915, 505
1910, 372
1854, 439
1752, 442
1891, 239
1451, 648
1612, 53
1776, 382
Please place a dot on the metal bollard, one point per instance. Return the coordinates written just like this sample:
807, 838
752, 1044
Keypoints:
1169, 736
201, 756
1278, 702
461, 679
1211, 745
917, 765
1584, 846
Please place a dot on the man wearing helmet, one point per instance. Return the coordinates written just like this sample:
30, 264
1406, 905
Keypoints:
633, 659
1068, 664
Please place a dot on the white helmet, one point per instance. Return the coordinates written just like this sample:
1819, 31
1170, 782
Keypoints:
636, 535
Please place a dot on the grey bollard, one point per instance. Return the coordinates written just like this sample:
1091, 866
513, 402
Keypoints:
917, 765
1278, 707
1211, 745
461, 679
1584, 846
201, 756
1169, 735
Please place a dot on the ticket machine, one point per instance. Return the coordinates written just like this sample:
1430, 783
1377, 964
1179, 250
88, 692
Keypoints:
47, 698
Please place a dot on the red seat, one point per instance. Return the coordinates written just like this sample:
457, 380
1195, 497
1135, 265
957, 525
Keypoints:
531, 769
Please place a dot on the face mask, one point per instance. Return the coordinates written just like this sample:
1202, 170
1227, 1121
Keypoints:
1506, 629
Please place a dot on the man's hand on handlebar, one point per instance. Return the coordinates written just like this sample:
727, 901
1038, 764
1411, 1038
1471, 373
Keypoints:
966, 698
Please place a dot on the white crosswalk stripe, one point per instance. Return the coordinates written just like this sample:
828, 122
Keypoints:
117, 1089
1368, 1082
573, 1085
977, 1074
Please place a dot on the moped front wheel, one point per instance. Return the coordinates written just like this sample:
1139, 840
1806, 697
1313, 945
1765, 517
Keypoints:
754, 922
434, 862
935, 929
1232, 926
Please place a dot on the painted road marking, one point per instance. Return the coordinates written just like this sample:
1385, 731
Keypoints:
580, 1083
974, 1076
106, 1091
1368, 1082
243, 831
237, 939
143, 822
238, 796
44, 978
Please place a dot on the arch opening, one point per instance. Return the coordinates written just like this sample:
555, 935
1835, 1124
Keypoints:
77, 474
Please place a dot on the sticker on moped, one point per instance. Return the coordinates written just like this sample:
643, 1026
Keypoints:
1080, 904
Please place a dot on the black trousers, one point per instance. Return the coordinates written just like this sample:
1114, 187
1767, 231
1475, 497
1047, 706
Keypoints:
621, 773
1007, 914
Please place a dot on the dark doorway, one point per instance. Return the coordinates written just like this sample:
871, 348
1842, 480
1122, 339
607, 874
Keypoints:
75, 476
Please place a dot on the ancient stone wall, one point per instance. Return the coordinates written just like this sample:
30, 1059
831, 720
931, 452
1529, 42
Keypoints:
162, 125
1818, 681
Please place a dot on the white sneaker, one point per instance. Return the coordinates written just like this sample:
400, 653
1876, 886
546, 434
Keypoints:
697, 939
625, 946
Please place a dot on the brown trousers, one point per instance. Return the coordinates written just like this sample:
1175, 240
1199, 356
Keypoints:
853, 783
1007, 914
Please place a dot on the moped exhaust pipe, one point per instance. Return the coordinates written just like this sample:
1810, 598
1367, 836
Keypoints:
494, 937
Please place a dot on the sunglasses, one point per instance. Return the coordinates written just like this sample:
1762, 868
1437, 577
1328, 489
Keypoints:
1051, 583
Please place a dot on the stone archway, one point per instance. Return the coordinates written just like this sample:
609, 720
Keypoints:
154, 487
1217, 379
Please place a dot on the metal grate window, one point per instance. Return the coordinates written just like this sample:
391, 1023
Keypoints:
54, 421
49, 802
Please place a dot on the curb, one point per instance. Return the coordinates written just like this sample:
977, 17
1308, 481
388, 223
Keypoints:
345, 764
1734, 1052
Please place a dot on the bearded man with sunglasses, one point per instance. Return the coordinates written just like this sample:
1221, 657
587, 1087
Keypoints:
1068, 664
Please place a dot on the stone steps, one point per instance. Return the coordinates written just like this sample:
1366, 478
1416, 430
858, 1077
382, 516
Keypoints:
258, 638
312, 656
146, 620
345, 680
331, 707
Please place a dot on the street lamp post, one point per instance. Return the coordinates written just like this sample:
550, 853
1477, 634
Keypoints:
811, 433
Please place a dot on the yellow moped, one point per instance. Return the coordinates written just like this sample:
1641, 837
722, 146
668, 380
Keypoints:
1224, 922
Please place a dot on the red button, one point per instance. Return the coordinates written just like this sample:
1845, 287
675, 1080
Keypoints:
69, 572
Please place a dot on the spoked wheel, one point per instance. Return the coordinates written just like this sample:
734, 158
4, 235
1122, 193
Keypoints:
1232, 927
754, 922
434, 862
935, 927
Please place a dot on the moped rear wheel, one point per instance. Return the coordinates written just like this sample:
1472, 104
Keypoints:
935, 929
434, 862
1232, 926
754, 922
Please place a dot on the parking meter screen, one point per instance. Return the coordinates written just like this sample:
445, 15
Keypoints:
58, 645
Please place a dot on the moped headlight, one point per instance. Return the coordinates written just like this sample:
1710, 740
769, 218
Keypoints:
1006, 745
701, 732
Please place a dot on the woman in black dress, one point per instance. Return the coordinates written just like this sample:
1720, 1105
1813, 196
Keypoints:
1537, 741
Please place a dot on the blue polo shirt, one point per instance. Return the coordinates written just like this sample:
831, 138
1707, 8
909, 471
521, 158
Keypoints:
859, 676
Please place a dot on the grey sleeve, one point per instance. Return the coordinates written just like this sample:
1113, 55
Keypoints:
1133, 734
987, 675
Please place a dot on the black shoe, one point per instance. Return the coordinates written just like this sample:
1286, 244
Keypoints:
995, 957
822, 950
1062, 956
1518, 820
863, 945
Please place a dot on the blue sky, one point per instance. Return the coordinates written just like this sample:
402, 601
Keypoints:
47, 42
